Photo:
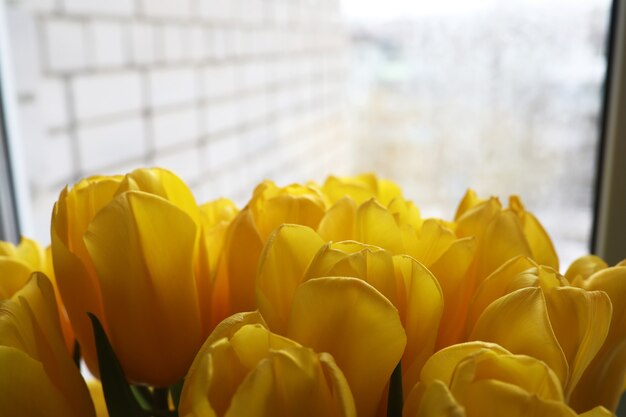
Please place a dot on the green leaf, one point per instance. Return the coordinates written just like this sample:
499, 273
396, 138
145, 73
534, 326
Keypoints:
117, 393
143, 396
394, 399
176, 390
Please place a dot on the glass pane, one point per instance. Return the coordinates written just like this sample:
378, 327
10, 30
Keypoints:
503, 97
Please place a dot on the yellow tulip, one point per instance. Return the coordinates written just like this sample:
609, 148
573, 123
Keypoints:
603, 381
487, 236
76, 276
361, 188
296, 257
126, 249
38, 376
484, 379
541, 316
244, 369
17, 263
269, 207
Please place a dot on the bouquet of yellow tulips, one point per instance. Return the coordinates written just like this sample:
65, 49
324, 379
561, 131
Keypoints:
313, 300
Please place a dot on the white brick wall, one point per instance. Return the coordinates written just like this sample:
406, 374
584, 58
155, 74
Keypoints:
65, 44
99, 95
105, 145
223, 92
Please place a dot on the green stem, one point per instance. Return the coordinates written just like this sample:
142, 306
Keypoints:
160, 399
394, 399
76, 354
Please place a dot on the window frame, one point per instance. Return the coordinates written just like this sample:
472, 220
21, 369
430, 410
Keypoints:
609, 226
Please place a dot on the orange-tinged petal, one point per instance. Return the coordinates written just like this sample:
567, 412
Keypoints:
233, 290
282, 267
603, 380
142, 247
75, 275
352, 321
519, 322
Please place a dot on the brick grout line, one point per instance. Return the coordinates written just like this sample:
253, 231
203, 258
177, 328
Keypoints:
148, 119
72, 129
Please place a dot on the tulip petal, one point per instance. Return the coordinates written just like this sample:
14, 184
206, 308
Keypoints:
434, 400
287, 383
492, 398
583, 267
375, 225
339, 222
75, 275
433, 241
26, 390
538, 239
519, 322
29, 322
603, 381
520, 371
469, 200
165, 184
15, 274
233, 290
149, 290
353, 259
451, 270
502, 281
282, 266
423, 301
580, 320
442, 364
352, 321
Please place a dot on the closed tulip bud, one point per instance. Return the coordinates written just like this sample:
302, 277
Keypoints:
38, 376
126, 250
244, 369
480, 379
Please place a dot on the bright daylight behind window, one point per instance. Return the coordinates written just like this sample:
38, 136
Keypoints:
504, 97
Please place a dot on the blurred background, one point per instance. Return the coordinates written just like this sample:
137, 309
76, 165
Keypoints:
502, 97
